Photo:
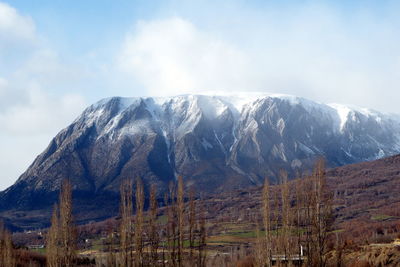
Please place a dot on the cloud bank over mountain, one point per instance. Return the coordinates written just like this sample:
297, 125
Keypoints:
29, 112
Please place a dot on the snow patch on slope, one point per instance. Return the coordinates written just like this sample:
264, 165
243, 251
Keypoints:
343, 113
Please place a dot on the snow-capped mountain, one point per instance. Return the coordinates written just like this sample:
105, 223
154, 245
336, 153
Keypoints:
215, 142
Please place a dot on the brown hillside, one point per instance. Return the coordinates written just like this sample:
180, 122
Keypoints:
366, 201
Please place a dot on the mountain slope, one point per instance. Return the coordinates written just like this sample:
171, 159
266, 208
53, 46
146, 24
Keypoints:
217, 143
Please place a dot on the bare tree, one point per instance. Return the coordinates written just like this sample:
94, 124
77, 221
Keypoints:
2, 244
299, 210
168, 233
154, 238
202, 239
172, 227
285, 214
276, 226
61, 240
302, 215
180, 215
7, 257
308, 200
260, 248
139, 220
67, 229
317, 215
192, 221
266, 210
322, 220
126, 223
111, 260
53, 240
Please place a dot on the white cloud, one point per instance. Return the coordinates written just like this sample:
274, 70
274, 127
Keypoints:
42, 113
32, 111
313, 52
14, 26
17, 153
27, 128
16, 31
3, 85
173, 57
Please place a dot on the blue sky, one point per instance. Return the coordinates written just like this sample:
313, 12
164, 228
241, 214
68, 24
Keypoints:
57, 57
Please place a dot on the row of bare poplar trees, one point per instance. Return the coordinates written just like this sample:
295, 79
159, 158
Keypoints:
296, 220
144, 240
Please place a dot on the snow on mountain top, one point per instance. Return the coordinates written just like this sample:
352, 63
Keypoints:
213, 104
125, 102
240, 99
211, 107
346, 111
237, 100
364, 111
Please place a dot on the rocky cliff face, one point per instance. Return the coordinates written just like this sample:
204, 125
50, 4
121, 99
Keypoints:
216, 143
